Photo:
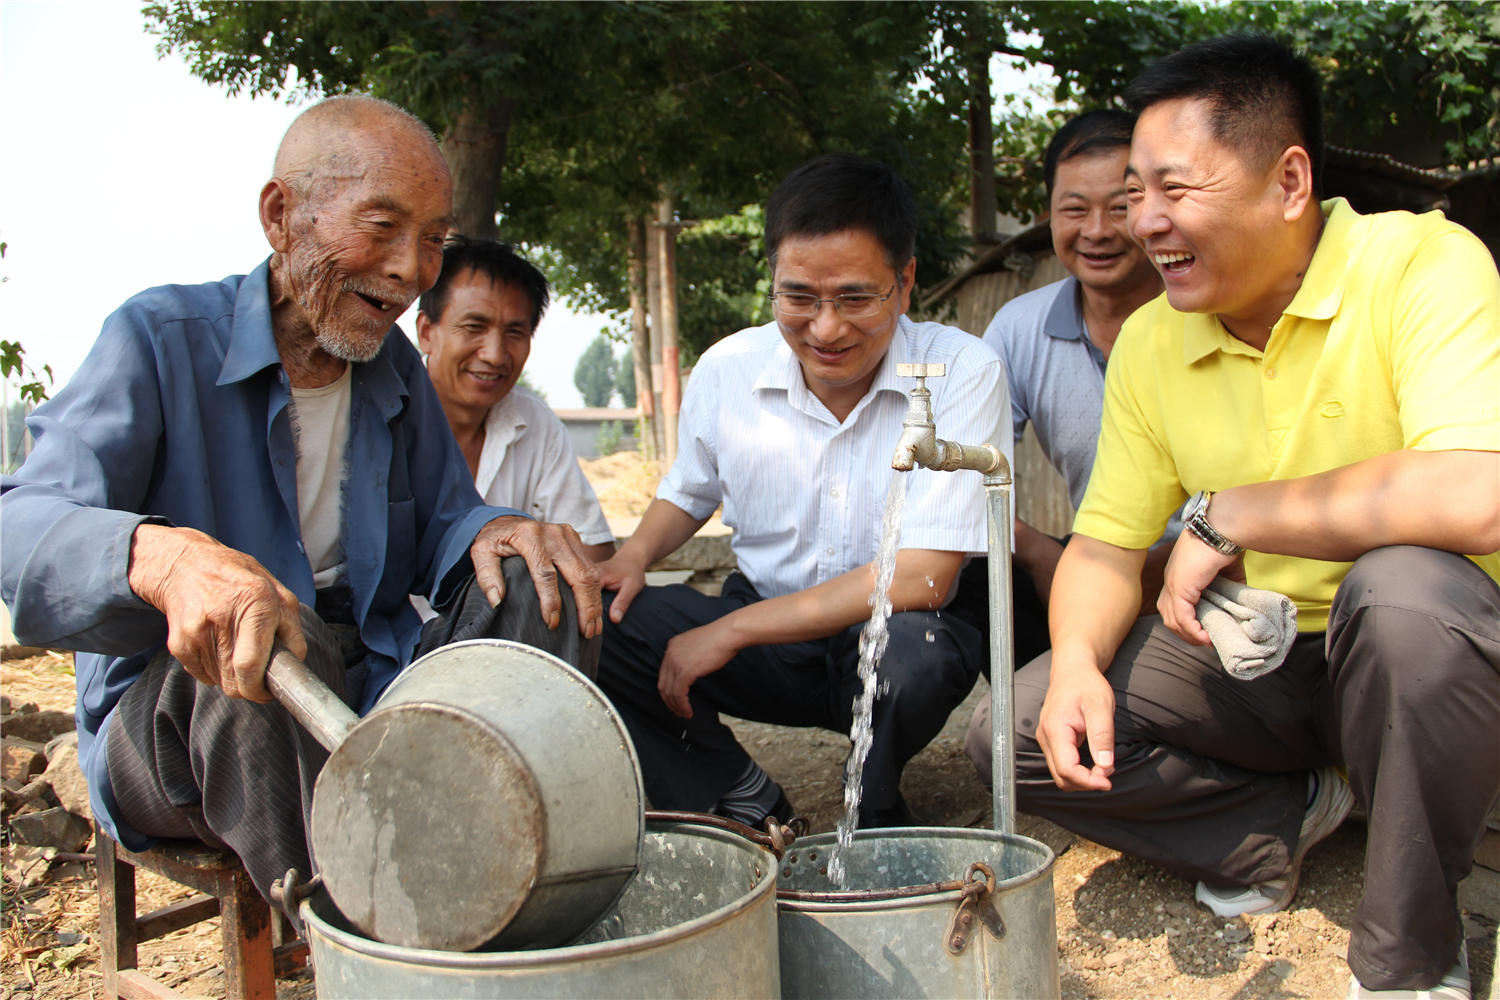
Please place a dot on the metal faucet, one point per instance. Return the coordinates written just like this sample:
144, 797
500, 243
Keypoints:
920, 445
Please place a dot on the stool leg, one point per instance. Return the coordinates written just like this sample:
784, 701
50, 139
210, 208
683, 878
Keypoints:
117, 927
249, 955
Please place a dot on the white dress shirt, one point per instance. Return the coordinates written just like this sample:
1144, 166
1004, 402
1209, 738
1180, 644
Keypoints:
805, 493
528, 463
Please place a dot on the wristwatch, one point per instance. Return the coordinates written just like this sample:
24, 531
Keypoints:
1195, 519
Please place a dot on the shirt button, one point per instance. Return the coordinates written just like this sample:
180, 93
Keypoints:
830, 550
833, 493
1270, 373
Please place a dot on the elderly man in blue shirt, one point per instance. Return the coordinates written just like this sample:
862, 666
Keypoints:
263, 459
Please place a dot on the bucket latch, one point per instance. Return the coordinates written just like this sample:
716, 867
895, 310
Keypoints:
976, 905
290, 890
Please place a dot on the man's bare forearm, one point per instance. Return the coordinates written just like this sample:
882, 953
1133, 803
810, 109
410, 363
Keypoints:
664, 528
1446, 500
829, 607
1096, 595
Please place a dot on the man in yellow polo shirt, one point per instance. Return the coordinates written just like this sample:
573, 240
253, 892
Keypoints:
1324, 386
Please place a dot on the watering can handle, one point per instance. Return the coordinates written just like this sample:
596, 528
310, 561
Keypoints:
310, 701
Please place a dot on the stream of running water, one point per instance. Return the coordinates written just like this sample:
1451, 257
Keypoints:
872, 643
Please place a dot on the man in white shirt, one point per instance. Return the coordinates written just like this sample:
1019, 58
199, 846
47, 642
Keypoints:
476, 327
792, 426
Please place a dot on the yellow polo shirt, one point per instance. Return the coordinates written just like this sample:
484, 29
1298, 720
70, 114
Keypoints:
1392, 342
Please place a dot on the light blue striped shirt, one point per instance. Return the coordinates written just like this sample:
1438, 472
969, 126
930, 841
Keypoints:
803, 492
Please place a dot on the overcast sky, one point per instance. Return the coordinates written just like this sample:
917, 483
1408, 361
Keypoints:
121, 171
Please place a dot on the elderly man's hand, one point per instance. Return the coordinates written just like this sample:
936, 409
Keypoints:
550, 550
223, 607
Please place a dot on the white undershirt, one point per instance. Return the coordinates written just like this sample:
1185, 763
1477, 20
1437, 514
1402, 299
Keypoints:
320, 430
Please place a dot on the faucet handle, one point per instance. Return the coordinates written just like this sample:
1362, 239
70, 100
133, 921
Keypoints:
910, 370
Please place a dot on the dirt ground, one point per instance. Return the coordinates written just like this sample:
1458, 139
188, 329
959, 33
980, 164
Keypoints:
1125, 929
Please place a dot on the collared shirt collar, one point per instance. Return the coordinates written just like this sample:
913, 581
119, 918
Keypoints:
1065, 320
252, 345
783, 371
1318, 297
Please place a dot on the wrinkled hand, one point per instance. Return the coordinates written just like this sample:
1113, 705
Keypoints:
626, 577
224, 609
1079, 708
550, 550
691, 655
1191, 567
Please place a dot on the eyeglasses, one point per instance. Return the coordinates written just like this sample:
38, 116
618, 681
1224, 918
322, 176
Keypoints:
850, 305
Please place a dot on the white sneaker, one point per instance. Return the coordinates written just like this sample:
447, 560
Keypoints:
1456, 985
1330, 804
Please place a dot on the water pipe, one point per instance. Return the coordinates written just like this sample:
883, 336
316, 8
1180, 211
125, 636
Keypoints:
920, 445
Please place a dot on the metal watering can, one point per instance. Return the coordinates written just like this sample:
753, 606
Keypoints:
491, 797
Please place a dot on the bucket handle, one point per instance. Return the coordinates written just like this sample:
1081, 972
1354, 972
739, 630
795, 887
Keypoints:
776, 838
976, 905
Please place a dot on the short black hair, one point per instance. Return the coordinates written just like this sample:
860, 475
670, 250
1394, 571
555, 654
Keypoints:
840, 191
498, 261
1263, 96
1086, 134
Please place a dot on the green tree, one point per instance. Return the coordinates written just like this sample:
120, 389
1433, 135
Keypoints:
594, 375
710, 101
625, 382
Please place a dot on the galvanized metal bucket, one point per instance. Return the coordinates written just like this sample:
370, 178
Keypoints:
698, 920
931, 912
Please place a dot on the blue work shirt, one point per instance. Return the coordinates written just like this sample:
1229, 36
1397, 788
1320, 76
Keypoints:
179, 416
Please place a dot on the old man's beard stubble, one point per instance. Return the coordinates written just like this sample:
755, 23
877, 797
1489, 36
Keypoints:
348, 333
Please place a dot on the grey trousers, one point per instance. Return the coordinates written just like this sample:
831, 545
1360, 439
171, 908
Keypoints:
1210, 772
187, 762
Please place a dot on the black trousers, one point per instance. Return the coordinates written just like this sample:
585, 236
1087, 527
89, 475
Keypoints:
1210, 773
187, 762
928, 669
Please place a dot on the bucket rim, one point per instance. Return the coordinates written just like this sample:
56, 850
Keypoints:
902, 897
764, 887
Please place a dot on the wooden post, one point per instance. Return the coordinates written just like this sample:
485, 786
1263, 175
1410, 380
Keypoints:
641, 338
653, 312
671, 393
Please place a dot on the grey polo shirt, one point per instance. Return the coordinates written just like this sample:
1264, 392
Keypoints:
1056, 379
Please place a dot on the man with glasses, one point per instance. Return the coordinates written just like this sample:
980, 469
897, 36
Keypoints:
791, 426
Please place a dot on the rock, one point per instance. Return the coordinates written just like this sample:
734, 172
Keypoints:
1235, 933
21, 759
1282, 969
66, 778
1180, 908
39, 727
32, 794
26, 866
1116, 958
4, 704
51, 828
69, 738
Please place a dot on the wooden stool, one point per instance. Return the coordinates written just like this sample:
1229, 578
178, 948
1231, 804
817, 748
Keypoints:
254, 952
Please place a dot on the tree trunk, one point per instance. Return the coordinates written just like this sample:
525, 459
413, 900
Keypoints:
475, 149
640, 337
982, 201
653, 310
671, 387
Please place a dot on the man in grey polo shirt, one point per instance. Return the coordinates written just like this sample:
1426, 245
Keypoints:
1055, 342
